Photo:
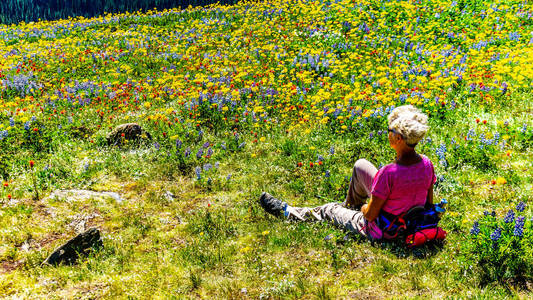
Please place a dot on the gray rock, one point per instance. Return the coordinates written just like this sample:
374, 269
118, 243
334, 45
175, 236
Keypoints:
69, 252
129, 131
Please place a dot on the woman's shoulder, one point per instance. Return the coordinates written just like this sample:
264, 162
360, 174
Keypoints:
388, 168
426, 160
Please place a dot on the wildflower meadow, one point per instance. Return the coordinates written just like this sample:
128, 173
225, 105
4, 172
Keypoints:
276, 96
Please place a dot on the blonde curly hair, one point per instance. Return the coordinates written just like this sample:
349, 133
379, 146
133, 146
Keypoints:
410, 122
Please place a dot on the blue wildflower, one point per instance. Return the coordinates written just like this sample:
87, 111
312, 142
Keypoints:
509, 217
496, 234
223, 146
524, 128
198, 171
242, 145
209, 151
228, 177
199, 153
187, 152
178, 144
217, 164
3, 134
520, 206
327, 174
205, 145
519, 226
208, 167
27, 126
11, 122
156, 146
331, 150
475, 228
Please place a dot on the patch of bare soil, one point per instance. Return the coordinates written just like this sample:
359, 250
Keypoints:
365, 294
9, 266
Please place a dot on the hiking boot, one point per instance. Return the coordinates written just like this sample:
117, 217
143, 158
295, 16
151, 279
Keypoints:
272, 205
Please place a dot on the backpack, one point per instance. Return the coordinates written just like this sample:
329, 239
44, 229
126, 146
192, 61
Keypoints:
416, 226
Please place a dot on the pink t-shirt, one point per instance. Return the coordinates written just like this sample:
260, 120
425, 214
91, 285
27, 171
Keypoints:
403, 187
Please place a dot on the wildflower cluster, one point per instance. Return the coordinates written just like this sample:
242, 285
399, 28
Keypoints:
499, 249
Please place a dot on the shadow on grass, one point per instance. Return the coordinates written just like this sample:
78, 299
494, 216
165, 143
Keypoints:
397, 247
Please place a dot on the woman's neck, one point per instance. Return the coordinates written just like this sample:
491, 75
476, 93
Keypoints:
407, 156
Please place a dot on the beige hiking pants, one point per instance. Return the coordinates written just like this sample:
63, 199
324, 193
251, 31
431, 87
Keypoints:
338, 213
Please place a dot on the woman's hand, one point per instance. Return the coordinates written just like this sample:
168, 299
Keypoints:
371, 210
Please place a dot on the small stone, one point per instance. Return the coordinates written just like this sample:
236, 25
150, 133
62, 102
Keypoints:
69, 252
170, 196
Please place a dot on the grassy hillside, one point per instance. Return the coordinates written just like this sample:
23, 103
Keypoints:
279, 96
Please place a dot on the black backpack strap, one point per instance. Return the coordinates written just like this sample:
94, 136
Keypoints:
414, 212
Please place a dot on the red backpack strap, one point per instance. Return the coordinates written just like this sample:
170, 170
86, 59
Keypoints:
398, 221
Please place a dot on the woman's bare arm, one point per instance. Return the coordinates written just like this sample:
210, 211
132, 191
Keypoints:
372, 209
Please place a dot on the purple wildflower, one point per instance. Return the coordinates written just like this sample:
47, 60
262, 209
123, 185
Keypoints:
504, 88
178, 144
475, 228
496, 234
205, 145
187, 152
199, 153
520, 206
509, 217
519, 226
198, 171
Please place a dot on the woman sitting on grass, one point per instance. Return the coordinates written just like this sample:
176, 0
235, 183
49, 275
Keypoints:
393, 190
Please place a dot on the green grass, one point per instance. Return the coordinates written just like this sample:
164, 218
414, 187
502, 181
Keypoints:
211, 239
171, 247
